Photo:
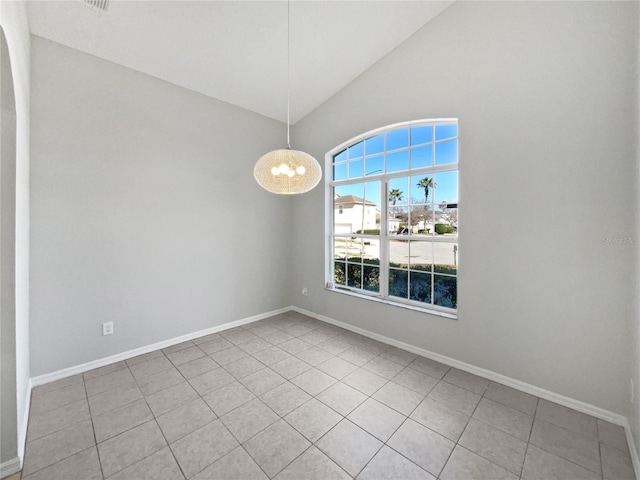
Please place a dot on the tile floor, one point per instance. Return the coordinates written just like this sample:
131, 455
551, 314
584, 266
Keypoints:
291, 397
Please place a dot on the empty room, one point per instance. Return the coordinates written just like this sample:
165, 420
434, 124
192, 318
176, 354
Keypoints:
319, 240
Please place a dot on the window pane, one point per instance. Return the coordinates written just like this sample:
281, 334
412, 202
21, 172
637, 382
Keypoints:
340, 171
446, 190
356, 150
354, 275
445, 291
371, 280
374, 165
447, 218
374, 144
421, 255
421, 134
399, 221
398, 139
339, 276
355, 169
422, 156
420, 287
398, 283
445, 258
342, 156
340, 248
423, 188
398, 161
447, 152
399, 253
446, 131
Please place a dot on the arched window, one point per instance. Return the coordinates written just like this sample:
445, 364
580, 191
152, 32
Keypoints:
397, 239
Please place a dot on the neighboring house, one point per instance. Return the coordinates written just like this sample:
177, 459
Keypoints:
349, 217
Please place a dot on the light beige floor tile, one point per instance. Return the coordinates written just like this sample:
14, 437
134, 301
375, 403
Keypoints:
158, 466
185, 419
129, 447
160, 381
43, 424
349, 446
58, 398
112, 399
243, 367
314, 355
57, 446
197, 367
185, 355
390, 464
337, 367
121, 419
96, 372
276, 446
245, 421
613, 436
566, 444
398, 397
313, 465
201, 448
398, 355
429, 367
422, 446
228, 355
504, 418
440, 418
206, 338
496, 446
210, 381
357, 355
616, 465
342, 398
236, 464
313, 419
454, 397
150, 367
262, 330
109, 381
384, 367
83, 465
313, 381
215, 345
315, 337
58, 384
335, 345
364, 381
568, 418
177, 347
170, 398
255, 345
262, 381
144, 358
278, 337
294, 346
466, 380
512, 398
541, 465
285, 398
290, 367
227, 398
377, 419
468, 465
238, 337
271, 355
416, 381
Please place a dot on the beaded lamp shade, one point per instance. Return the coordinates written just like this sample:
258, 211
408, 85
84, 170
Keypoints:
287, 172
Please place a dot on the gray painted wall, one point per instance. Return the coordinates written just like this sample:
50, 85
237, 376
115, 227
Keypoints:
8, 406
144, 211
545, 96
634, 417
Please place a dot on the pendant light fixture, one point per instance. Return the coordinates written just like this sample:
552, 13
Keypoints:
287, 171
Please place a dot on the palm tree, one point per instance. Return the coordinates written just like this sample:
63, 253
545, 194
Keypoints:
426, 183
394, 196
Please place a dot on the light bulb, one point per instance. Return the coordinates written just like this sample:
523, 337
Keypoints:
284, 168
291, 173
300, 170
275, 171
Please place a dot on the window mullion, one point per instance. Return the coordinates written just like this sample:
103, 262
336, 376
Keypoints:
384, 240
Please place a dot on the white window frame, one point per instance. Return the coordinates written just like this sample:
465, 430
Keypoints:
384, 237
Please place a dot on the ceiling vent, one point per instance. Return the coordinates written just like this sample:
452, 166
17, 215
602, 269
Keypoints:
99, 4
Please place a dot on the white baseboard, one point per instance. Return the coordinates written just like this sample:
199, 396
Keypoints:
10, 467
101, 362
488, 374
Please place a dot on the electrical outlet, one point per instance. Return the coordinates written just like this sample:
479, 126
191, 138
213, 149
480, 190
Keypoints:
107, 328
305, 292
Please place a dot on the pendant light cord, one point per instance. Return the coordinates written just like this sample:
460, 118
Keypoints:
288, 71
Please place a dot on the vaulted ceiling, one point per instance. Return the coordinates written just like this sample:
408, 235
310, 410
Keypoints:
236, 51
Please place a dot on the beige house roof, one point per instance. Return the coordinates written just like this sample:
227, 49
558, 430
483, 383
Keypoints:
349, 201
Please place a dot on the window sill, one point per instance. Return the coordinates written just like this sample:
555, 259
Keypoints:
430, 311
